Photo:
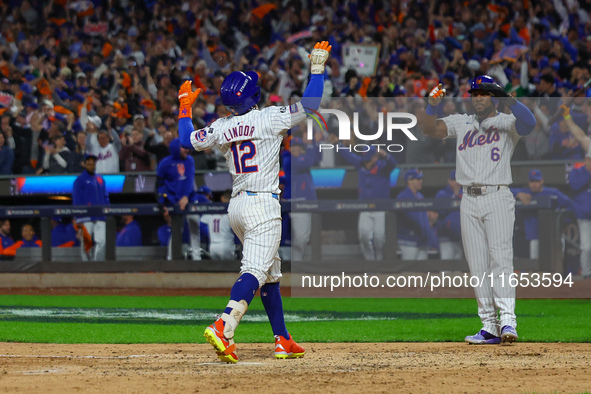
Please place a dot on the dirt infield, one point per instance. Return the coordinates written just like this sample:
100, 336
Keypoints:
329, 368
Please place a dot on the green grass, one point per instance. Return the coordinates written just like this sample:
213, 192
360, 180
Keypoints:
125, 319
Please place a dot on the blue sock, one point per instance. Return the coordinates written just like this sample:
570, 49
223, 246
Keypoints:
271, 297
244, 289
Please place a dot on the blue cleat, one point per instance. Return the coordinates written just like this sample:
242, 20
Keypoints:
508, 334
483, 338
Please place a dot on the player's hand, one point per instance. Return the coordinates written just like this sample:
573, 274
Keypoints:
565, 112
319, 56
524, 197
183, 203
436, 95
186, 95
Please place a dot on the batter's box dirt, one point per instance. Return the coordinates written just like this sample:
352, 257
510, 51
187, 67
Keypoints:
326, 368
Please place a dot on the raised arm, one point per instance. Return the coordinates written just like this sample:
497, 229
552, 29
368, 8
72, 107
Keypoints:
190, 138
312, 95
432, 126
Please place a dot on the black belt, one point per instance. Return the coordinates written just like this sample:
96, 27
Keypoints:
481, 190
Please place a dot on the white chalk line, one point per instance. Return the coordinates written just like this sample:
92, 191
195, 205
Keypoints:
56, 356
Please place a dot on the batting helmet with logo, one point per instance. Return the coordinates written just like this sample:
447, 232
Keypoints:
239, 91
484, 82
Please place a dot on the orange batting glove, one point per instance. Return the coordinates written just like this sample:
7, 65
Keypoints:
436, 95
319, 56
186, 99
565, 112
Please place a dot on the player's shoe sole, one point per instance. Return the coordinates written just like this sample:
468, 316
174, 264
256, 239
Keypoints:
509, 338
281, 356
287, 348
492, 341
508, 334
219, 346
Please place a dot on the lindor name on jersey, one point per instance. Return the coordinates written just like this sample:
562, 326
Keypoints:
238, 132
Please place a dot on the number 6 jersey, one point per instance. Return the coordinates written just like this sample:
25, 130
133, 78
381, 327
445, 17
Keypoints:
484, 149
251, 143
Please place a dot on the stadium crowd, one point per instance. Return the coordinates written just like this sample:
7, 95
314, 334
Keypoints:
101, 77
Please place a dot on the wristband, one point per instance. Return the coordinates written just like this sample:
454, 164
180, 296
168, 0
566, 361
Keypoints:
431, 110
185, 112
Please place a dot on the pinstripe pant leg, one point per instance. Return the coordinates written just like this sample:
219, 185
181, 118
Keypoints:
499, 224
259, 220
477, 255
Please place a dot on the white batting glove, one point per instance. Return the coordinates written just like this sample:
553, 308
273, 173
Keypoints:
319, 56
436, 95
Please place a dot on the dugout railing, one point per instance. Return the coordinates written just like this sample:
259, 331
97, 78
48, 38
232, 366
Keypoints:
550, 253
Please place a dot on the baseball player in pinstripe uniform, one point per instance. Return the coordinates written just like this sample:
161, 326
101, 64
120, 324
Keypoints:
485, 144
221, 237
250, 140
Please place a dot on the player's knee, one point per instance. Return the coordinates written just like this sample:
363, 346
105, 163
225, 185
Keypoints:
260, 275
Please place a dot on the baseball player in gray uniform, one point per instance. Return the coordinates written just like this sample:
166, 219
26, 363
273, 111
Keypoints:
250, 140
485, 144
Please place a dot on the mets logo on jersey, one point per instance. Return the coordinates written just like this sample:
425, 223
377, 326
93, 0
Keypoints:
201, 135
471, 139
180, 167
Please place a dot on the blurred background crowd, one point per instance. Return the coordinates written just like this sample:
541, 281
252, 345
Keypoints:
101, 76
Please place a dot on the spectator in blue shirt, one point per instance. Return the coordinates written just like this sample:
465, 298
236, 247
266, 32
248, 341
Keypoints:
415, 234
580, 183
530, 217
63, 234
448, 224
90, 189
130, 234
176, 186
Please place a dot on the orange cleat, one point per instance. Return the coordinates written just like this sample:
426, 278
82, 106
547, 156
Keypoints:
225, 348
287, 348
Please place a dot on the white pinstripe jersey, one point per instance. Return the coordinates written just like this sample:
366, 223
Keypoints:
484, 149
220, 231
251, 143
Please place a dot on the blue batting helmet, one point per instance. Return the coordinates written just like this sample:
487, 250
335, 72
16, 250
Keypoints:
239, 91
482, 79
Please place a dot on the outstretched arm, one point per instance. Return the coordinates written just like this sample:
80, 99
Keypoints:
190, 138
575, 130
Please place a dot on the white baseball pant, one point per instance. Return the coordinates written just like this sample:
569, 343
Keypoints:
372, 234
487, 234
193, 221
410, 252
98, 233
301, 229
222, 251
450, 250
256, 221
585, 236
534, 248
